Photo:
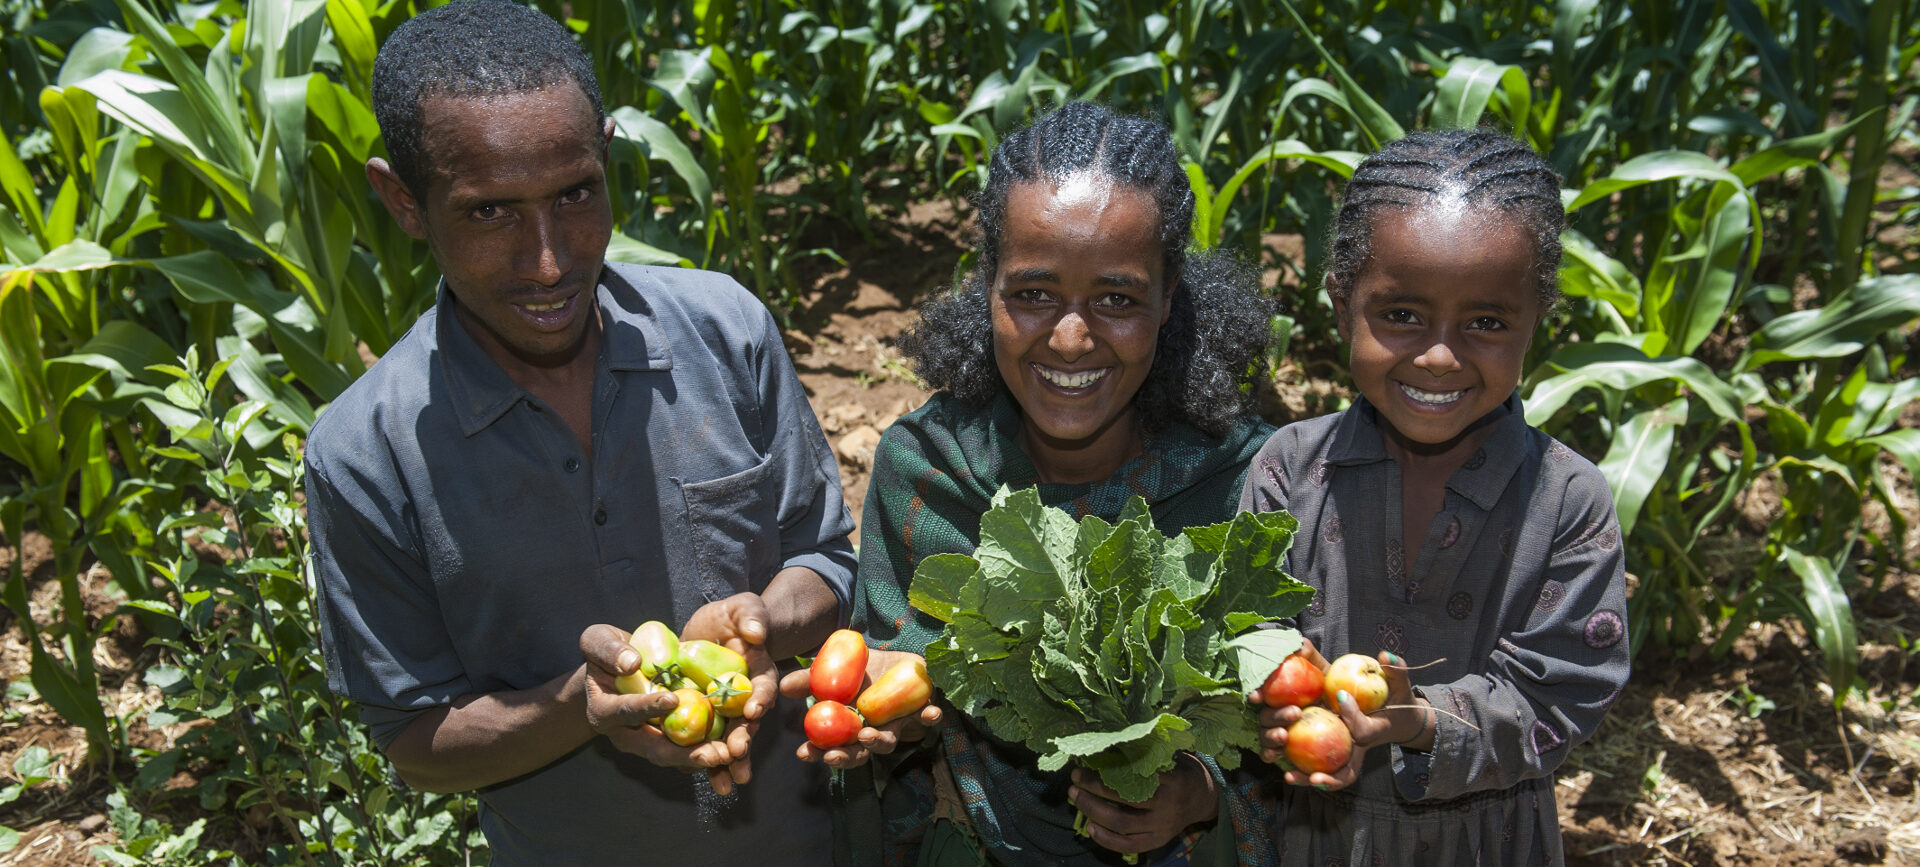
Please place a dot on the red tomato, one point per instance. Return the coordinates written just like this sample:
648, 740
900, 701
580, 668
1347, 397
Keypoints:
831, 724
1319, 741
1295, 681
839, 667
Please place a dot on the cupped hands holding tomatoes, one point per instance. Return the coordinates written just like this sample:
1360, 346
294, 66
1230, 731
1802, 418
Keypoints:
1364, 702
847, 724
690, 701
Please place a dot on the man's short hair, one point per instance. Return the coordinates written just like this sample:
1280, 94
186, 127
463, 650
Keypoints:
470, 48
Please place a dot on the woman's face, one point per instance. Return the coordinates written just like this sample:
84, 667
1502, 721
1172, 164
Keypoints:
1077, 304
1439, 320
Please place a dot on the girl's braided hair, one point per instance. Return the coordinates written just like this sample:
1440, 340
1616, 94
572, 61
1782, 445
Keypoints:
1478, 167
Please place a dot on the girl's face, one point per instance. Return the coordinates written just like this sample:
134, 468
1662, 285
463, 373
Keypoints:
1439, 320
1077, 306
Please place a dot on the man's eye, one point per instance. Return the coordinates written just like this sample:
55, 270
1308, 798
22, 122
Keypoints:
574, 196
486, 212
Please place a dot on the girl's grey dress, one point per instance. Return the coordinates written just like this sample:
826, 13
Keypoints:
1517, 598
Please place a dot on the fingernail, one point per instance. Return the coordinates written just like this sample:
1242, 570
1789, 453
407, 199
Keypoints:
1345, 698
628, 659
1397, 661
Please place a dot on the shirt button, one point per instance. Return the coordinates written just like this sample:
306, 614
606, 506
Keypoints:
573, 464
600, 517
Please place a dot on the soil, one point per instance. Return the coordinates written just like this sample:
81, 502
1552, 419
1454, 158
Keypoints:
1735, 761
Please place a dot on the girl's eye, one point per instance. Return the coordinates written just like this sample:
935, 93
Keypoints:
1399, 317
1488, 323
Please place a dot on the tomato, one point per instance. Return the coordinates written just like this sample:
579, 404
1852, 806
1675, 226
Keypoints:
1360, 675
729, 694
831, 724
703, 661
905, 688
688, 723
1319, 741
658, 647
1296, 681
636, 684
839, 667
718, 728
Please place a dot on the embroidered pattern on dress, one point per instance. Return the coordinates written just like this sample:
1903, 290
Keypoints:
1319, 472
1334, 531
1610, 538
1452, 534
1551, 594
1318, 606
1391, 636
1460, 605
1478, 460
1506, 543
1508, 646
1545, 739
1603, 629
1396, 562
1558, 450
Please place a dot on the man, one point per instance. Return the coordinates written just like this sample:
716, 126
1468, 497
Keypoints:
559, 445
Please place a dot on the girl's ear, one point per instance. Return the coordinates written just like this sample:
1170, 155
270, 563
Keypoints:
1338, 295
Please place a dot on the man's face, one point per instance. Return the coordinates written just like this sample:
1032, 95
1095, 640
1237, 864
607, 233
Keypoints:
516, 214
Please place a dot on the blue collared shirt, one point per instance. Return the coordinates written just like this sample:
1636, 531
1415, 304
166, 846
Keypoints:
462, 540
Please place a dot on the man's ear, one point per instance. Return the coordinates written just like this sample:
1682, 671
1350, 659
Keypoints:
606, 146
394, 194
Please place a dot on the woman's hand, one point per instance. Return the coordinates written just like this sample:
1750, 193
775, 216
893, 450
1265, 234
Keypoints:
622, 719
1186, 797
871, 740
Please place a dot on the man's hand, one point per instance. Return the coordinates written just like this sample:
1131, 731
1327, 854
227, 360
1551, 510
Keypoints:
871, 740
1186, 797
623, 719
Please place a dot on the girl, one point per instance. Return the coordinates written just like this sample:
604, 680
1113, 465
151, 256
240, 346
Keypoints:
1090, 354
1490, 585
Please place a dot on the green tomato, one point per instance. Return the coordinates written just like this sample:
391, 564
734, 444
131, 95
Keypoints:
658, 647
705, 662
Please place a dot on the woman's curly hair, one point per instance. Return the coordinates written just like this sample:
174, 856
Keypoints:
1201, 363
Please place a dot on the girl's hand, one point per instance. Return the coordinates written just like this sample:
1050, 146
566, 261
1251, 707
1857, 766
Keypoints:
1186, 797
1404, 720
871, 740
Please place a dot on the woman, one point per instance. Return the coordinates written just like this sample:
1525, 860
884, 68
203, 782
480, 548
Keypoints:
1091, 354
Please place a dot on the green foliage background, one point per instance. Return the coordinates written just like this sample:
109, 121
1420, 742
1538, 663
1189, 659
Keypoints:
190, 256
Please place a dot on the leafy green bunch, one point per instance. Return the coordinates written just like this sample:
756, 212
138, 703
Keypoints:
1104, 644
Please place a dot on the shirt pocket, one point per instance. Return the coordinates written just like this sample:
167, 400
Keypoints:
735, 528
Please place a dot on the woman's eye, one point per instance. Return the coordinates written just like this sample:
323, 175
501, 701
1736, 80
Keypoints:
1116, 301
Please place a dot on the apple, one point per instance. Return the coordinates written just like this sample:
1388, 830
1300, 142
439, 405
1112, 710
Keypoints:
1319, 741
1296, 681
1361, 677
